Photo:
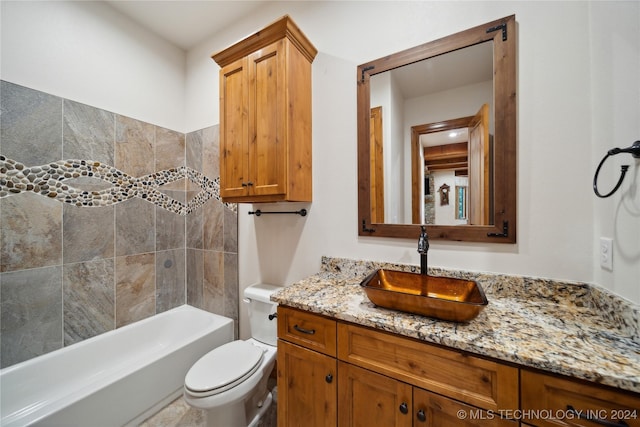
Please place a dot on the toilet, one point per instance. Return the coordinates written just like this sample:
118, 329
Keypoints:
230, 382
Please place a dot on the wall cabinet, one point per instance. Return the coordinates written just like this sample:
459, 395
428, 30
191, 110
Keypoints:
265, 116
382, 379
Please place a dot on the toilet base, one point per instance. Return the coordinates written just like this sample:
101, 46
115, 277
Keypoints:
259, 414
239, 406
247, 414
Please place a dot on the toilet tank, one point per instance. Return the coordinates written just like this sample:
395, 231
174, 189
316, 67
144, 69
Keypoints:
261, 307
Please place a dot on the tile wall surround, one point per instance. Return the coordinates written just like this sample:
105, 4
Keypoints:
104, 220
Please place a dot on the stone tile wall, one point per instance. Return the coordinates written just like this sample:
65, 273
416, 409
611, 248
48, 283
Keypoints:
131, 227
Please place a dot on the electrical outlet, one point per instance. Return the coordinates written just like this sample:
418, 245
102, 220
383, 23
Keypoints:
606, 253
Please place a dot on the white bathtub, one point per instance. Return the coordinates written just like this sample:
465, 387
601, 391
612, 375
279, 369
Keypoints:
118, 378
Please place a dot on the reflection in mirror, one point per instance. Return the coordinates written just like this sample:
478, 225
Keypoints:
460, 151
414, 102
430, 91
461, 202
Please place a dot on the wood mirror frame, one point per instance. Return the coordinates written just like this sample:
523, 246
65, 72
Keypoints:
503, 230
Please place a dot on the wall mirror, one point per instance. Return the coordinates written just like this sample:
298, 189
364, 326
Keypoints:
437, 138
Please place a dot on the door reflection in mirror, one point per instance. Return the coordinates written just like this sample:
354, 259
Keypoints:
430, 91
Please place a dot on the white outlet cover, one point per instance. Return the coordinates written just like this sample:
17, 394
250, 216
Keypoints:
606, 253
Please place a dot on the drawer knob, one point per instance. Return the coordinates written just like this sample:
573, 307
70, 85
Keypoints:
421, 416
304, 331
329, 378
619, 423
404, 408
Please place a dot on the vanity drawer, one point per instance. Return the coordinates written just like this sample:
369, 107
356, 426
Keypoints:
308, 330
479, 382
566, 399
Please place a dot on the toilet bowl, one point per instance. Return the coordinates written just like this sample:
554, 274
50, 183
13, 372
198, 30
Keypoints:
230, 382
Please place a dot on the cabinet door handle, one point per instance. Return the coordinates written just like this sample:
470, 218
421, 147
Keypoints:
249, 183
404, 408
304, 331
587, 417
329, 378
421, 416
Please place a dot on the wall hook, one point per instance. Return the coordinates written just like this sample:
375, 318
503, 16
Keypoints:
634, 150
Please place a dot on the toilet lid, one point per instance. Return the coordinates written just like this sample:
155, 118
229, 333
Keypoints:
223, 368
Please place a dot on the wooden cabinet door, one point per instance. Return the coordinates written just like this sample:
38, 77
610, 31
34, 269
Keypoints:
267, 120
369, 399
550, 401
265, 116
307, 387
433, 410
479, 382
234, 103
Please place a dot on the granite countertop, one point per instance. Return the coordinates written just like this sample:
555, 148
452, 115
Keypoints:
568, 328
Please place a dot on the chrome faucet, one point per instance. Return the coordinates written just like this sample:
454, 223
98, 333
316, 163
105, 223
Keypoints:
423, 248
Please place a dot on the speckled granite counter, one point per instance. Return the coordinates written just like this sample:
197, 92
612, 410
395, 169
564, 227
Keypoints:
567, 328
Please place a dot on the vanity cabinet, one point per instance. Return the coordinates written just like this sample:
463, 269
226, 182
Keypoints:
307, 369
349, 375
554, 401
441, 381
371, 399
306, 387
265, 116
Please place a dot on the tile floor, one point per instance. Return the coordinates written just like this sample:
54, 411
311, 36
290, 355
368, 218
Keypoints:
179, 414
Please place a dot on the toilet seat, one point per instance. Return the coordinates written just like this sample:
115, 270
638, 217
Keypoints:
223, 368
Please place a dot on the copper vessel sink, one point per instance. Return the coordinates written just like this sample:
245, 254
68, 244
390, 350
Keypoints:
444, 298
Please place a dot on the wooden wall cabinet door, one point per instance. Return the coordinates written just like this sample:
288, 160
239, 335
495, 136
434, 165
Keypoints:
234, 140
265, 116
307, 387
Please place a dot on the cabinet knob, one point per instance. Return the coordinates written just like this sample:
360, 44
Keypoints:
421, 415
404, 408
329, 378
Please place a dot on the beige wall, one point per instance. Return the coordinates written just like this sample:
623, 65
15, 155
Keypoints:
577, 97
575, 61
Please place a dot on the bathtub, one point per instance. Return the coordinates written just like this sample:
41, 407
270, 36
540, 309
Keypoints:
117, 378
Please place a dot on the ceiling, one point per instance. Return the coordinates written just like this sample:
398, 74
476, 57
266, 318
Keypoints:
185, 23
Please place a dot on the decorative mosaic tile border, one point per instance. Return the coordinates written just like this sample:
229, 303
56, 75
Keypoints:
49, 180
